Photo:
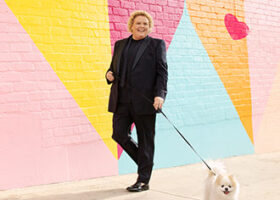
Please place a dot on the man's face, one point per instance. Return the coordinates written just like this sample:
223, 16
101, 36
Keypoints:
140, 28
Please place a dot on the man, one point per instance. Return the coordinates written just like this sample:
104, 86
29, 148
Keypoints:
138, 73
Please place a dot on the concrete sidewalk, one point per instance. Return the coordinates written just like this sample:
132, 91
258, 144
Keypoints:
258, 174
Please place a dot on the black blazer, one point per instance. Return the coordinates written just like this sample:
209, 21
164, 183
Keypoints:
148, 74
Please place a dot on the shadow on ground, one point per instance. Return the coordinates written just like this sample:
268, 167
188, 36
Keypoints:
92, 195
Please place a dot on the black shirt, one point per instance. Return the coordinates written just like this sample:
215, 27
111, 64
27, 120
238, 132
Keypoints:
127, 60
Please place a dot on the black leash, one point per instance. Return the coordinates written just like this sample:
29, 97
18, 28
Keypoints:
160, 110
187, 141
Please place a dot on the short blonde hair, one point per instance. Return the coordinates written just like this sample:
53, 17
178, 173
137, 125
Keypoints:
137, 13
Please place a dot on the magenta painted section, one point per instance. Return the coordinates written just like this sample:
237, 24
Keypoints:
263, 51
45, 136
166, 15
237, 30
120, 149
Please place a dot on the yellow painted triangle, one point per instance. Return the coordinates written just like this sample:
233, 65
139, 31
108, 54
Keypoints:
229, 57
74, 37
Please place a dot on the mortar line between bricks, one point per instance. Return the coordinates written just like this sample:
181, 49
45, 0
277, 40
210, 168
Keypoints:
180, 196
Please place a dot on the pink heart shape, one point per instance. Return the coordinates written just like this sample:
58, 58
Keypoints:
236, 29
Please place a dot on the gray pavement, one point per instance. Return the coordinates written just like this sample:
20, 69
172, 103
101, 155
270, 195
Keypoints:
258, 175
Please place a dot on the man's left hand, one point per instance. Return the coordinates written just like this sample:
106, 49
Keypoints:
158, 102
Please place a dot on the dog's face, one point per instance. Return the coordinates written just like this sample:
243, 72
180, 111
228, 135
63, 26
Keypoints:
226, 185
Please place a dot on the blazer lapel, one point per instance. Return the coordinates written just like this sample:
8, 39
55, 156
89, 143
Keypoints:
141, 50
120, 51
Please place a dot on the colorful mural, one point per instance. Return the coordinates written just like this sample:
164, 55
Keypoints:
223, 89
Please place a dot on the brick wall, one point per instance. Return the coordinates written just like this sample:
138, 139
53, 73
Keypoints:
223, 84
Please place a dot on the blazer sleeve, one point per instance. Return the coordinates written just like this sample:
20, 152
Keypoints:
161, 69
111, 65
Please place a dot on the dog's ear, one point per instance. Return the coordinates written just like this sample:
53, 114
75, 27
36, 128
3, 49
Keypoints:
232, 179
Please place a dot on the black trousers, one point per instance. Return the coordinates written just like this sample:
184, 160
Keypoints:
143, 152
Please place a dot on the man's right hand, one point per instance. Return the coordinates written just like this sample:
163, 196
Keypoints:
110, 76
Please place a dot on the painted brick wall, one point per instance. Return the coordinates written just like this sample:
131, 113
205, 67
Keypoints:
223, 89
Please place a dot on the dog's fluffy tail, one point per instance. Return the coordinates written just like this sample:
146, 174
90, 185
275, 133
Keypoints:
217, 167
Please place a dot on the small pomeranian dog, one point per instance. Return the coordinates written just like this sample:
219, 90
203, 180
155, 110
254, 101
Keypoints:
219, 185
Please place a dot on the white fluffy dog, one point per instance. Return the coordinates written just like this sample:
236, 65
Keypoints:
219, 185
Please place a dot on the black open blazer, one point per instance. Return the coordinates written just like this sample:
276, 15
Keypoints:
148, 74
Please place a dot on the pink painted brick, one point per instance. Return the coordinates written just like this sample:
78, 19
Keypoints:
66, 122
115, 34
27, 107
88, 137
76, 112
63, 94
61, 113
21, 47
47, 85
156, 8
49, 142
169, 24
159, 22
48, 124
162, 16
120, 26
115, 18
7, 18
118, 19
9, 57
153, 14
6, 88
5, 47
8, 108
16, 97
46, 115
48, 105
169, 10
142, 6
30, 76
39, 95
47, 133
67, 140
162, 30
174, 16
4, 67
86, 128
22, 66
25, 86
114, 3
68, 104
10, 76
30, 57
14, 28
110, 10
162, 2
63, 131
42, 66
150, 1
120, 11
127, 4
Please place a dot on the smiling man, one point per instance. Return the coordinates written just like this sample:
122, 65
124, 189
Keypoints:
138, 74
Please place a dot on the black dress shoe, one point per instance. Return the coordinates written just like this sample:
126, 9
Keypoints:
138, 187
